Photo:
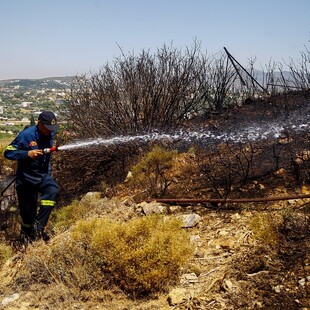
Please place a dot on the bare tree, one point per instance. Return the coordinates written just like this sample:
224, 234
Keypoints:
298, 77
300, 71
221, 77
139, 93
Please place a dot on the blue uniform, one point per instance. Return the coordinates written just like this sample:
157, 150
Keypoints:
33, 178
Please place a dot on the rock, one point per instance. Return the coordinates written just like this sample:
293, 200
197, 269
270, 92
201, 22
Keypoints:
95, 195
224, 243
227, 285
236, 216
258, 304
176, 296
190, 220
174, 209
281, 172
292, 201
196, 239
302, 282
128, 177
284, 140
189, 278
278, 288
9, 299
227, 243
128, 202
261, 186
223, 232
152, 208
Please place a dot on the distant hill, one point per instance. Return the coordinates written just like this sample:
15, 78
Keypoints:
31, 84
66, 81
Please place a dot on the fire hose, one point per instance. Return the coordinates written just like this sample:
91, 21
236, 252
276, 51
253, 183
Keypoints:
227, 200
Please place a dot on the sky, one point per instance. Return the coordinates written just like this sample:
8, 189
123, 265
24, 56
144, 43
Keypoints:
52, 38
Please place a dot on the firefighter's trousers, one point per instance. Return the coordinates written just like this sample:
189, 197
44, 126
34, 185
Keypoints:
28, 196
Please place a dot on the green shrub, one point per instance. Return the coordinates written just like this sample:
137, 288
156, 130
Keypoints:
64, 217
151, 171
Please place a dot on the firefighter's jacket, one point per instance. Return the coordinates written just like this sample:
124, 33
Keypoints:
30, 171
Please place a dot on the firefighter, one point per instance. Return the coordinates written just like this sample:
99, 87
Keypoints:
33, 176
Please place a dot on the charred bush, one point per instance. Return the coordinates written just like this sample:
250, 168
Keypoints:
140, 93
80, 170
230, 168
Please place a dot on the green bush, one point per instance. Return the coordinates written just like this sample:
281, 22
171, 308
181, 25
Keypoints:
89, 206
63, 218
152, 169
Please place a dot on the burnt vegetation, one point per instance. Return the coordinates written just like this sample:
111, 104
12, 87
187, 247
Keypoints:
174, 89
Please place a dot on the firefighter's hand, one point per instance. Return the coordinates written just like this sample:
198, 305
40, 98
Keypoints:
33, 154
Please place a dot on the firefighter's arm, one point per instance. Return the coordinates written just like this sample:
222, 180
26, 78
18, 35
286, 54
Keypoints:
14, 153
18, 149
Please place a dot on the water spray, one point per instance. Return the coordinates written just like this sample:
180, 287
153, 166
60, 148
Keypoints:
251, 132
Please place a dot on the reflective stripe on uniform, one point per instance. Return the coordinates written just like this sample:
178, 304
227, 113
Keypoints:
48, 203
11, 148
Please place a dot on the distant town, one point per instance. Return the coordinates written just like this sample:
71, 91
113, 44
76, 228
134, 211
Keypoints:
22, 100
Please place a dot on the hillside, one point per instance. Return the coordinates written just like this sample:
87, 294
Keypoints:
230, 268
33, 84
252, 255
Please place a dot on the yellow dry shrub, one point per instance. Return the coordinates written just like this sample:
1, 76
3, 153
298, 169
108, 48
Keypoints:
142, 256
64, 262
265, 228
6, 162
5, 253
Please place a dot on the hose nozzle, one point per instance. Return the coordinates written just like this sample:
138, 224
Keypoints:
50, 150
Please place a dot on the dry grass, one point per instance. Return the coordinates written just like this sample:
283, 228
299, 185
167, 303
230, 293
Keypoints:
265, 228
4, 142
5, 253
